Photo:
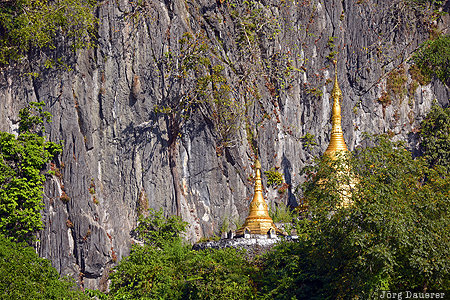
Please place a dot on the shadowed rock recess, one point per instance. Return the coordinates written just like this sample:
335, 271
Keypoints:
277, 64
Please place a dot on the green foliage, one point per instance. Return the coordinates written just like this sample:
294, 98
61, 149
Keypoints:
149, 272
274, 178
396, 83
435, 135
176, 272
27, 24
394, 235
289, 272
171, 270
218, 274
308, 141
156, 230
395, 87
330, 43
22, 160
332, 55
224, 110
282, 213
433, 58
315, 91
24, 275
225, 227
418, 76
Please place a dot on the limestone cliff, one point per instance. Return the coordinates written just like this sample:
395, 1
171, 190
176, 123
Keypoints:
276, 58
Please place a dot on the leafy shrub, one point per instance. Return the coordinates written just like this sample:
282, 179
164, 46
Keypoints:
432, 3
418, 76
156, 230
308, 141
435, 135
274, 178
24, 275
171, 270
218, 274
433, 58
22, 160
282, 213
395, 87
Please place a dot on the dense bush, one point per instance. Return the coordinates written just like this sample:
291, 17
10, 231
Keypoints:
435, 135
433, 58
24, 275
165, 268
156, 230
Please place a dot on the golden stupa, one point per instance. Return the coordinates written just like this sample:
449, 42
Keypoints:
258, 220
337, 142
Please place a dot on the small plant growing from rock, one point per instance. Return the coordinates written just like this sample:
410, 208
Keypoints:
308, 141
113, 255
92, 187
142, 205
64, 197
395, 87
225, 225
284, 187
274, 178
281, 213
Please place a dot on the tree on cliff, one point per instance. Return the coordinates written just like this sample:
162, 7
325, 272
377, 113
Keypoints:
28, 24
394, 236
193, 84
22, 160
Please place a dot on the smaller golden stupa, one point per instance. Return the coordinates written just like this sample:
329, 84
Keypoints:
258, 221
337, 142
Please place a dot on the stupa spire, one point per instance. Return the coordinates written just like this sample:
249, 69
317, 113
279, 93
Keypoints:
337, 142
258, 220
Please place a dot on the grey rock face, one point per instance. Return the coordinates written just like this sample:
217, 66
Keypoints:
277, 60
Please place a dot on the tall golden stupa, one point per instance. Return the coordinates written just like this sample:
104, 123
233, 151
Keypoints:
258, 221
337, 142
